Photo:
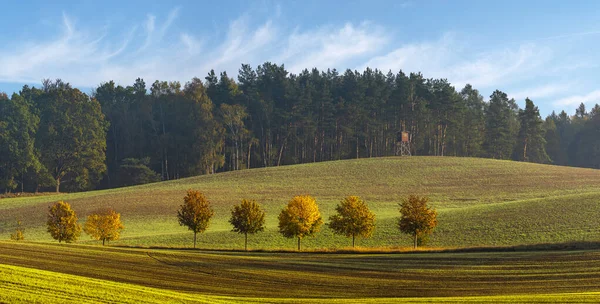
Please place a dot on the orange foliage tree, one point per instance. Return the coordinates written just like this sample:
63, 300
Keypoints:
195, 213
104, 225
416, 218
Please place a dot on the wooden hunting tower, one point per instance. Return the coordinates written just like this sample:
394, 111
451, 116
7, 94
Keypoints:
403, 144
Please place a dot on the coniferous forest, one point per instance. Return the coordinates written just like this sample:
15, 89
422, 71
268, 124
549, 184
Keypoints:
58, 138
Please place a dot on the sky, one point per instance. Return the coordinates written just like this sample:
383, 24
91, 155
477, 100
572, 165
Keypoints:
544, 50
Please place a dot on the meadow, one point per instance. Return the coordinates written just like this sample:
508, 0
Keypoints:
508, 231
481, 202
51, 272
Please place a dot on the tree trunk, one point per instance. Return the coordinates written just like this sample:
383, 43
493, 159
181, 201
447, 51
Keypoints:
525, 150
353, 241
298, 243
103, 241
281, 151
356, 146
415, 241
58, 185
246, 241
249, 151
195, 239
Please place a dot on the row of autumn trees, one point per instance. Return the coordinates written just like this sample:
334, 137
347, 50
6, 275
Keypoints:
299, 219
56, 137
104, 225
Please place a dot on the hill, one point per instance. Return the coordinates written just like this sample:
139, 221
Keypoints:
480, 202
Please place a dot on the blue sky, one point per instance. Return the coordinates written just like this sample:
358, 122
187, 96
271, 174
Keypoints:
545, 50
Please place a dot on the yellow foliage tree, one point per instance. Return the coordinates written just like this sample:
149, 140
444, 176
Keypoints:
104, 225
62, 222
353, 218
416, 218
195, 213
300, 218
18, 235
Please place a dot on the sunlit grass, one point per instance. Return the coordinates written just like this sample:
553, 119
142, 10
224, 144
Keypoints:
480, 202
82, 273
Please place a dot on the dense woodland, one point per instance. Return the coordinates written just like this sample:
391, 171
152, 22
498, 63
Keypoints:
58, 138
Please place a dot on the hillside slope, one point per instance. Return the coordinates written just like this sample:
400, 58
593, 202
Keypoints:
480, 202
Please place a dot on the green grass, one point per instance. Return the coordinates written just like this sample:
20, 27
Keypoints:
481, 202
26, 285
95, 274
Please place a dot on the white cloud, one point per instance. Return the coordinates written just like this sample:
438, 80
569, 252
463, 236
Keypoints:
452, 59
87, 58
405, 4
548, 90
330, 47
191, 43
241, 45
590, 98
155, 48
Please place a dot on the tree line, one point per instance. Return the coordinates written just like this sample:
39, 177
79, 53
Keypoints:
300, 218
57, 137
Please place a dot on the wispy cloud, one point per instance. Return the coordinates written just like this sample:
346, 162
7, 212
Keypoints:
405, 4
331, 47
590, 98
452, 59
87, 58
547, 90
157, 47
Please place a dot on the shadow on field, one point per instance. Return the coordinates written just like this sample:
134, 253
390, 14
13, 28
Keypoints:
576, 245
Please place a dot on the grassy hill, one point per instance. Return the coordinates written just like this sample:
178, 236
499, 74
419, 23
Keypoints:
480, 202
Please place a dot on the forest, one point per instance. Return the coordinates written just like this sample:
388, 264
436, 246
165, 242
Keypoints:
58, 138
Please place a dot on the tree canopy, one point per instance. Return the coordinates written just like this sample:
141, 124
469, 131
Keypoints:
300, 218
247, 218
353, 218
416, 218
62, 222
57, 137
104, 225
195, 212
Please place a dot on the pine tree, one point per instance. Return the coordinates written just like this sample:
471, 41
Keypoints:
499, 134
531, 143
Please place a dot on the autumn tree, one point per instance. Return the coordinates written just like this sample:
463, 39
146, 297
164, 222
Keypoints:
353, 218
300, 218
62, 222
104, 225
18, 235
247, 218
195, 213
416, 218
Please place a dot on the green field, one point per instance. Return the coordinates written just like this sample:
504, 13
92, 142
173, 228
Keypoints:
50, 272
481, 202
